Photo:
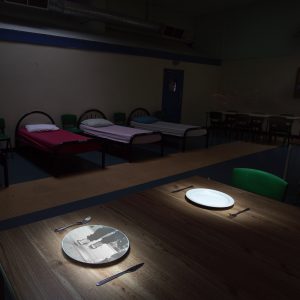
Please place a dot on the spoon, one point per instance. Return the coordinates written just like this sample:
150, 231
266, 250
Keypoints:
84, 221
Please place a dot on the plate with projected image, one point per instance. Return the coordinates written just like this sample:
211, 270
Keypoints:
95, 244
210, 198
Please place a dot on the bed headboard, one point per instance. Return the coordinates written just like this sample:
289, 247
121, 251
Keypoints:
91, 114
39, 115
138, 112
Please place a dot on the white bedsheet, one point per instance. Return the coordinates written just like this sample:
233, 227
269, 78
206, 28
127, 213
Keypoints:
169, 128
122, 134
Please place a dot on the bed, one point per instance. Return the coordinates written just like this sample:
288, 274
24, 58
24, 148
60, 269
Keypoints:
94, 123
37, 130
141, 118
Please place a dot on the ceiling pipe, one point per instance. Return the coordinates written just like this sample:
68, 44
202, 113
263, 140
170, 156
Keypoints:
66, 8
71, 9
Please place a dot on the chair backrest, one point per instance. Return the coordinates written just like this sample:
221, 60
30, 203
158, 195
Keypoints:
280, 123
257, 122
242, 119
215, 118
68, 120
259, 182
230, 119
215, 115
2, 125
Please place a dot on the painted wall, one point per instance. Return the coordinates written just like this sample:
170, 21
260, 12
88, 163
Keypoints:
265, 85
261, 58
58, 80
200, 84
264, 29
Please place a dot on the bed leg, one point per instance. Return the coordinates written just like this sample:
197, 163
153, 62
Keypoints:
102, 159
207, 139
130, 153
183, 144
56, 165
6, 173
161, 148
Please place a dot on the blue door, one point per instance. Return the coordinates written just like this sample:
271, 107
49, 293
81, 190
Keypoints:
172, 95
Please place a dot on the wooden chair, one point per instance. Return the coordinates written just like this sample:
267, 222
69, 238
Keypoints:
241, 126
279, 126
215, 120
229, 123
256, 128
259, 182
214, 123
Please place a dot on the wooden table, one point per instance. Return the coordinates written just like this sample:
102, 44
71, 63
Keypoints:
189, 252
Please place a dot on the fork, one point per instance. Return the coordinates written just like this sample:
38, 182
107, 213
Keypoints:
239, 212
181, 189
82, 222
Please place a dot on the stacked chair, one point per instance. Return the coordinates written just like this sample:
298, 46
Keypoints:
229, 124
279, 126
256, 128
242, 126
214, 123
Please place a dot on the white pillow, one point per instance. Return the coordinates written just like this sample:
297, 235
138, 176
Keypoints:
41, 127
96, 122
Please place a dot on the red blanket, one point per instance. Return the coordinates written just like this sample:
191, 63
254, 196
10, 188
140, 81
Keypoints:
59, 141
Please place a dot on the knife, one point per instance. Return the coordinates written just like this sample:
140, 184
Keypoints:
129, 270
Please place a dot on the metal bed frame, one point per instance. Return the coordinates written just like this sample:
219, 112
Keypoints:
140, 111
54, 154
95, 113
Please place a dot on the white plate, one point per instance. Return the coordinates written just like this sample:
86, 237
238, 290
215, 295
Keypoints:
95, 244
210, 198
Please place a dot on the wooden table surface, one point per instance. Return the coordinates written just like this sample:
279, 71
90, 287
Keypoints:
188, 252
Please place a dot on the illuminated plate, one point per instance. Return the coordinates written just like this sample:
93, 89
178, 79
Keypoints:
210, 198
95, 244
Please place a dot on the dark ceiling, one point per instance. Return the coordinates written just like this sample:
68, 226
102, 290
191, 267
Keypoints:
145, 21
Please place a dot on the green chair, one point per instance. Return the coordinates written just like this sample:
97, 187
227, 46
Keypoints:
259, 182
119, 118
4, 137
158, 114
69, 122
3, 162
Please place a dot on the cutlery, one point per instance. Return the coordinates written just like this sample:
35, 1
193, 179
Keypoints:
239, 212
84, 221
129, 270
181, 189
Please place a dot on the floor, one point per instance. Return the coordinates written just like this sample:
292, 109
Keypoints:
45, 193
